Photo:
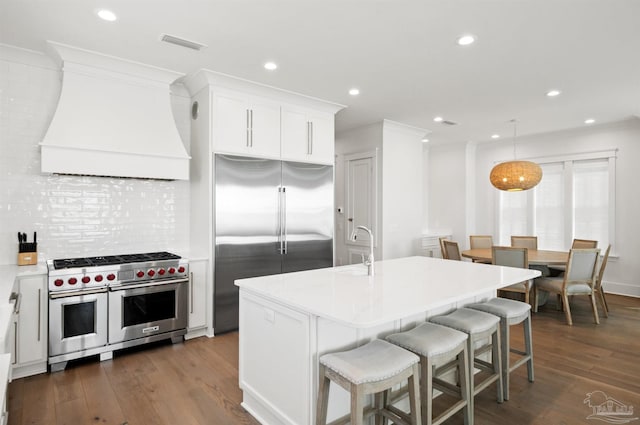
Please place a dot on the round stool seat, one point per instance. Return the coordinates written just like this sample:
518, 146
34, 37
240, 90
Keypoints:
429, 339
375, 361
468, 321
504, 308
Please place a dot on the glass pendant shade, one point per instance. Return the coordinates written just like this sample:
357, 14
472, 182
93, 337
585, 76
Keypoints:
514, 176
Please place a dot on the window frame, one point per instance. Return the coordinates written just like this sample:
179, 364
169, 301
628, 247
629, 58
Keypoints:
568, 160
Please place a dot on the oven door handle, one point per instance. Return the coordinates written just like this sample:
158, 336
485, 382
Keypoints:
121, 287
76, 293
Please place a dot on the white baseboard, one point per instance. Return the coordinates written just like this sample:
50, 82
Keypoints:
621, 289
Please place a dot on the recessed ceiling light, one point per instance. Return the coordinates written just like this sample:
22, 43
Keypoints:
589, 121
438, 119
270, 66
495, 136
425, 140
354, 92
553, 93
107, 15
465, 40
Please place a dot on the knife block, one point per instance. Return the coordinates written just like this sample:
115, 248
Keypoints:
27, 254
27, 258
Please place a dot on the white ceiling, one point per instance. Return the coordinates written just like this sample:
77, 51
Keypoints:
401, 54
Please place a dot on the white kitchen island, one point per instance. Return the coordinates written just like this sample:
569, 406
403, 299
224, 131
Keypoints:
287, 321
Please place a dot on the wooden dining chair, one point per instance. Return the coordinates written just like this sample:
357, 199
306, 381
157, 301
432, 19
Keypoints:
579, 279
530, 242
598, 286
452, 249
513, 257
576, 244
442, 248
584, 244
479, 242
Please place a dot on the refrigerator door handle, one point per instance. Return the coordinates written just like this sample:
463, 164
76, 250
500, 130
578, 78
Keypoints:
284, 219
280, 212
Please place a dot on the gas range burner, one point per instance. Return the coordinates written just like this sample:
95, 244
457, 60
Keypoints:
69, 263
79, 274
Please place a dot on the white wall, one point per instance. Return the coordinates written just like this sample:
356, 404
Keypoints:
446, 189
446, 200
76, 216
402, 190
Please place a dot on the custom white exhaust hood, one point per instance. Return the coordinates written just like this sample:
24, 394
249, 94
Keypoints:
113, 118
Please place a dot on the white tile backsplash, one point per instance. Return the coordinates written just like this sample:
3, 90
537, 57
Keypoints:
74, 215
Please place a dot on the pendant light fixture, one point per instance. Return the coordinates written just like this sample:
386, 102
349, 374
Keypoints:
514, 176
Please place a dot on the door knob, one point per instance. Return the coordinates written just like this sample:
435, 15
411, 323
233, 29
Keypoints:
350, 219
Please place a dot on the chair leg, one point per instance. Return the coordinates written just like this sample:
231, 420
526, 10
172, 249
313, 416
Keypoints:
504, 330
603, 302
528, 346
379, 404
594, 308
559, 302
357, 405
414, 396
604, 298
463, 376
323, 397
535, 299
426, 389
567, 309
496, 357
471, 362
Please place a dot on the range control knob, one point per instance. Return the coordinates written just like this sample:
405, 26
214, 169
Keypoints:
73, 281
140, 273
180, 269
86, 279
98, 278
151, 272
161, 272
172, 270
111, 276
58, 282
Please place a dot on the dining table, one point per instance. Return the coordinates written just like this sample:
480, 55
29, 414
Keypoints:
538, 257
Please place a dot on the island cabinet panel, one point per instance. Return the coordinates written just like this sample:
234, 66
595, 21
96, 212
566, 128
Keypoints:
275, 372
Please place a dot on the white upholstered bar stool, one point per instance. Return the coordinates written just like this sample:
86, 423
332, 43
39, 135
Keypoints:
478, 325
437, 345
511, 312
372, 368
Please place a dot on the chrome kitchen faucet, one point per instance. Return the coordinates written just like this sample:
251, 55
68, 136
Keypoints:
369, 261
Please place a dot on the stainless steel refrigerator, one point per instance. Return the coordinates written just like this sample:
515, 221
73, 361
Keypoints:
270, 217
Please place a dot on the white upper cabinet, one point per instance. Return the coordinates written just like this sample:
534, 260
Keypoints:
246, 125
253, 119
307, 135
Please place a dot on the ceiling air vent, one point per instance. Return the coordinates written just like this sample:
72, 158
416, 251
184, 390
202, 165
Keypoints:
167, 38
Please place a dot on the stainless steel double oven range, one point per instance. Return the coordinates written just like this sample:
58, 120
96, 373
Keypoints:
101, 304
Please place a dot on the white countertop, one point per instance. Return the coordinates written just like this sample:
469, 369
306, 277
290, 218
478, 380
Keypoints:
400, 288
8, 274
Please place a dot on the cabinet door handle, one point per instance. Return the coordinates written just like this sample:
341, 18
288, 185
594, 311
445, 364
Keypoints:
311, 142
39, 312
251, 127
248, 128
191, 289
15, 342
308, 138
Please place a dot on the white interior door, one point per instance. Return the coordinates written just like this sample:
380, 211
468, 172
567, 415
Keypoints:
361, 191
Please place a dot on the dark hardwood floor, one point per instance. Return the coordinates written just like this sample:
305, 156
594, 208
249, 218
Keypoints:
197, 382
